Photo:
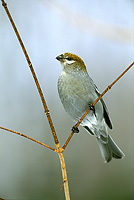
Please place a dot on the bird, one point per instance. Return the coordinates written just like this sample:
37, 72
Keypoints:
77, 92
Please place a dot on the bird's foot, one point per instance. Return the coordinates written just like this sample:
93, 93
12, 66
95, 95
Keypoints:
92, 108
75, 129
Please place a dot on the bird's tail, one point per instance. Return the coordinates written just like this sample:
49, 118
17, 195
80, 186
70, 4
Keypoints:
110, 149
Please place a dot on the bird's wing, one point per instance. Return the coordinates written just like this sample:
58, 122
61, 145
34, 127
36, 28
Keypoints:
106, 113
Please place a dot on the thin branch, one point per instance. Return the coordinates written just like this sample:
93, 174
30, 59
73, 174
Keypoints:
64, 173
59, 150
33, 72
21, 134
106, 90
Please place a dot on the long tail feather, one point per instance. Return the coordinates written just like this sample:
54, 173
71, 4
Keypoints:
110, 149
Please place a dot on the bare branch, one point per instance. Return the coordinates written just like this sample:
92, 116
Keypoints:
59, 150
46, 110
33, 72
106, 90
21, 134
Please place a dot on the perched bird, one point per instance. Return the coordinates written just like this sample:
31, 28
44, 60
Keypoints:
77, 92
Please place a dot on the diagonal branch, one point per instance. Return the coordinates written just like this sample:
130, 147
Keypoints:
21, 134
106, 90
59, 150
33, 72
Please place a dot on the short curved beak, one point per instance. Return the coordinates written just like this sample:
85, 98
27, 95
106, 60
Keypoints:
60, 57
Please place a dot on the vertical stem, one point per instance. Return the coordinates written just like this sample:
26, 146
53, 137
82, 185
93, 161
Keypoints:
32, 71
64, 173
62, 161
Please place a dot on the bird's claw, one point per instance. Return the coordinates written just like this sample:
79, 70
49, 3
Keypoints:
92, 108
75, 129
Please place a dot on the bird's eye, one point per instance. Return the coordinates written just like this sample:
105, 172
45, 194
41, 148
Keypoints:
69, 58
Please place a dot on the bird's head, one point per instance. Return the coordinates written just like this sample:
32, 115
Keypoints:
71, 62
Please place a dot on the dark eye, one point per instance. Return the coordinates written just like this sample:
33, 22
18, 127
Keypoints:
69, 58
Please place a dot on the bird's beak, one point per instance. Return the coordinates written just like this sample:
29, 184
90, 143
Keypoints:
60, 58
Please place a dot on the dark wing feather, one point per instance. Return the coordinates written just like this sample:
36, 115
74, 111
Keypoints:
88, 129
106, 114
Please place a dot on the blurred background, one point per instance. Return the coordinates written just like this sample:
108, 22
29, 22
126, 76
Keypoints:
102, 33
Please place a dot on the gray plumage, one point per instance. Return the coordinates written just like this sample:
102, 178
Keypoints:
77, 90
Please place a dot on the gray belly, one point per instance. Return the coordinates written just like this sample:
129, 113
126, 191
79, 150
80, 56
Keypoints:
76, 95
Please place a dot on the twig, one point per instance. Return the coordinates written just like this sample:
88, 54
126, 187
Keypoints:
64, 174
106, 90
32, 71
59, 150
21, 134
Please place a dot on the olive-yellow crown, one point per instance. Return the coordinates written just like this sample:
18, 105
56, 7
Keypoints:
71, 62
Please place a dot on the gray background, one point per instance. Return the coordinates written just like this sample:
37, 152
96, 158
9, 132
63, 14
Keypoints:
101, 33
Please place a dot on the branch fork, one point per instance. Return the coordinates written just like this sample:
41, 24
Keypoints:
58, 149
